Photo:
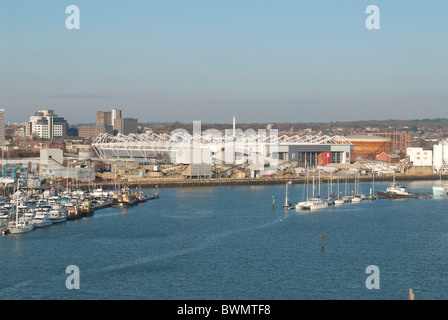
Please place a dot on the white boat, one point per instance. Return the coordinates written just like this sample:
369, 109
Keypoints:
57, 216
338, 202
319, 204
312, 204
20, 226
99, 193
440, 190
41, 220
356, 199
396, 191
287, 205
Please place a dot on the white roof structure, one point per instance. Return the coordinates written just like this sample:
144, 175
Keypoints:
152, 146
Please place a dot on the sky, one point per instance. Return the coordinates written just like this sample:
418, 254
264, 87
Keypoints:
210, 60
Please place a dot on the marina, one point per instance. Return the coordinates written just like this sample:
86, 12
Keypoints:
24, 211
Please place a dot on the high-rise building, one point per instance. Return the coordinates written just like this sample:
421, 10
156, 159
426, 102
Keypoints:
107, 118
126, 125
115, 114
103, 118
46, 124
113, 118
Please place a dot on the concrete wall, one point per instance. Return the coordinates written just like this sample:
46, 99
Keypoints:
423, 170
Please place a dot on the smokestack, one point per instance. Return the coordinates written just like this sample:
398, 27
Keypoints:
234, 126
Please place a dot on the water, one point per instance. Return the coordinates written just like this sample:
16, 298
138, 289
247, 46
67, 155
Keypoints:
228, 243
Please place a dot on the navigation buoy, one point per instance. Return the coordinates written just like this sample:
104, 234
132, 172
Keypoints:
323, 235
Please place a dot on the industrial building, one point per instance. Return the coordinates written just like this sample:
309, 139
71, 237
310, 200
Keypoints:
400, 141
367, 147
440, 157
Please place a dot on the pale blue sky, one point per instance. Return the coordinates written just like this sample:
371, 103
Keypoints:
260, 60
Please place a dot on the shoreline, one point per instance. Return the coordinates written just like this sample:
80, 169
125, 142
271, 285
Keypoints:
179, 183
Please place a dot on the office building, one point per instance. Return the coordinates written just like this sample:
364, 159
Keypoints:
47, 125
126, 125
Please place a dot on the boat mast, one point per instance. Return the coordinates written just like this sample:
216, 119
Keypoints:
17, 204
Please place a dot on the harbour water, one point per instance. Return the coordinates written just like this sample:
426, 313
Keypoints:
230, 243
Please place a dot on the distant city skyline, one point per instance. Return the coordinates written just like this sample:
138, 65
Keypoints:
262, 61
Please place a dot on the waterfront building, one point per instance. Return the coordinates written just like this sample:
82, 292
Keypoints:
419, 157
59, 172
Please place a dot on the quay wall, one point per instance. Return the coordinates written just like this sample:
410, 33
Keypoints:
172, 182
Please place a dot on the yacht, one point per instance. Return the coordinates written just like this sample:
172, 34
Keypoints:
99, 193
312, 204
57, 216
41, 220
319, 204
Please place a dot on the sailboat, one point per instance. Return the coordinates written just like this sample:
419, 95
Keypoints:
372, 190
287, 205
20, 226
357, 196
339, 200
312, 203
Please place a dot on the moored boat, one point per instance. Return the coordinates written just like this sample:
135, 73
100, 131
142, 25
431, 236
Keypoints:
395, 191
57, 216
74, 213
41, 220
20, 226
440, 190
86, 209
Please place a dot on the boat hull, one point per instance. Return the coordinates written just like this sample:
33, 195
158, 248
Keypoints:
58, 220
17, 230
124, 204
387, 195
439, 191
42, 223
87, 213
74, 216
